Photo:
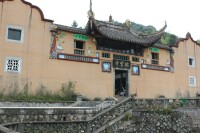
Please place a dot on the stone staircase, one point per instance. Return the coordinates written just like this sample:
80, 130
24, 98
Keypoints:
107, 118
107, 121
103, 122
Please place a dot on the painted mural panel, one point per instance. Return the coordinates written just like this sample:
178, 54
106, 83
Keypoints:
57, 40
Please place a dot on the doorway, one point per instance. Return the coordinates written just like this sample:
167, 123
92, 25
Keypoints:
121, 83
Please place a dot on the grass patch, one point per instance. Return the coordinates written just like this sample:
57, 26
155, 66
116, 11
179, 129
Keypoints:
66, 93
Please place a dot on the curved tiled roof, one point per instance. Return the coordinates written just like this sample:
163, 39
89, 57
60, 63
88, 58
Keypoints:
33, 6
71, 29
122, 33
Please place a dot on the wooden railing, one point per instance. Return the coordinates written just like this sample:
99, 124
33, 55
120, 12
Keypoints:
79, 51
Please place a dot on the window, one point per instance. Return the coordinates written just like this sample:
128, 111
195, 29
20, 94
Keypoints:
105, 55
13, 64
135, 59
120, 57
155, 58
192, 81
78, 47
97, 54
191, 61
15, 34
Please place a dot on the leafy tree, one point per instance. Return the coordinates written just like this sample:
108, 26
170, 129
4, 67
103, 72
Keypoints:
117, 23
198, 41
168, 39
74, 24
143, 29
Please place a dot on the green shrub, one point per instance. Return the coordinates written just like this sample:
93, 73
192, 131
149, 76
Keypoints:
67, 90
109, 99
85, 99
127, 117
136, 120
97, 99
42, 94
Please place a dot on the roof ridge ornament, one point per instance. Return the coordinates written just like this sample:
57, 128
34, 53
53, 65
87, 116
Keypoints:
128, 23
91, 5
90, 12
110, 19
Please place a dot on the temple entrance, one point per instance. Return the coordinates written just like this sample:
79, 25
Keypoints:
121, 83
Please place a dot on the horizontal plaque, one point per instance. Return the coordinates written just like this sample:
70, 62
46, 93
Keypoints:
80, 37
72, 57
121, 64
155, 67
152, 49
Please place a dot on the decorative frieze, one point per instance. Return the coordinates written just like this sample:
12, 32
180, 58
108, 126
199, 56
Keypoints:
155, 67
71, 57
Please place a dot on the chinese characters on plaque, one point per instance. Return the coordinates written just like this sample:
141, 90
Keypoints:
121, 64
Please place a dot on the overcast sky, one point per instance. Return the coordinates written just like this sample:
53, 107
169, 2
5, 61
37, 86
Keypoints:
182, 16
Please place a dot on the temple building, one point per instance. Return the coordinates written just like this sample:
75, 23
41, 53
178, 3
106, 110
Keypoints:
103, 59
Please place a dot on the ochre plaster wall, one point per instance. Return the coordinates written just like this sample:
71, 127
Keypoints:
187, 48
38, 69
31, 50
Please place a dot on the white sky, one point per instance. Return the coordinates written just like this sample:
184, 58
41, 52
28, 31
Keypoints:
182, 16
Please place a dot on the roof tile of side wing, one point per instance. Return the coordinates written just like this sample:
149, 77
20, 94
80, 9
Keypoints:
161, 46
71, 29
122, 33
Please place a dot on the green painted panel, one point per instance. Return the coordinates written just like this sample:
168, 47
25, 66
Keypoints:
80, 37
154, 49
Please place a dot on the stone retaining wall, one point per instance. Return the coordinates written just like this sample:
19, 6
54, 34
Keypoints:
14, 112
35, 104
13, 115
160, 122
144, 122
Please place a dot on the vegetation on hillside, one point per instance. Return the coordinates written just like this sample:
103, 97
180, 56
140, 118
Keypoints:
168, 39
